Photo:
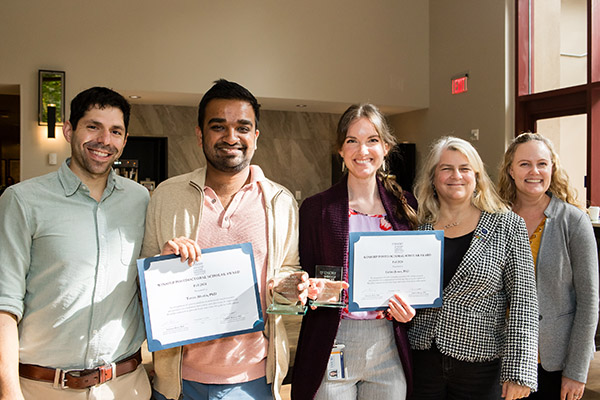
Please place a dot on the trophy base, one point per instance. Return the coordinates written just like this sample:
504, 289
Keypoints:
333, 304
284, 309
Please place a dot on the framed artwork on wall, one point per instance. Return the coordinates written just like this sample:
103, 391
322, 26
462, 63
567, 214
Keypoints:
51, 92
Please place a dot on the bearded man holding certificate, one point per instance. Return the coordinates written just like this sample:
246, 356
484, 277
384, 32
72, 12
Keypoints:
228, 202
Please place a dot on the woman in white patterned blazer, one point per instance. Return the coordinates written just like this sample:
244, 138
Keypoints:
566, 259
472, 347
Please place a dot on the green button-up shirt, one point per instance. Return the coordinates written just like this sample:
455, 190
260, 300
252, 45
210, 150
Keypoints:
67, 268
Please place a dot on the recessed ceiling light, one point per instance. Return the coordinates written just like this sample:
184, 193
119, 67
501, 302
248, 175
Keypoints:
301, 105
135, 96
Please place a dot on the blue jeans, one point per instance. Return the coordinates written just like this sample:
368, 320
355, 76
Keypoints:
440, 377
257, 389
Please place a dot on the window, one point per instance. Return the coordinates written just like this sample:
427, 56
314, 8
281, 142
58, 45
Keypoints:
558, 75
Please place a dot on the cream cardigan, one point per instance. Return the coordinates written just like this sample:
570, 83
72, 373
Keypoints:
175, 210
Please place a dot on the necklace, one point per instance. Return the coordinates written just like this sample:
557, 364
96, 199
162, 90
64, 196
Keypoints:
452, 224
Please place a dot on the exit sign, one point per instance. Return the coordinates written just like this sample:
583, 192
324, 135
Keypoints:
459, 85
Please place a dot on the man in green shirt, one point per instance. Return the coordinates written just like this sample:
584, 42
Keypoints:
70, 321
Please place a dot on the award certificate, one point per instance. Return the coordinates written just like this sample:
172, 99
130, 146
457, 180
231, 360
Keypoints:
382, 264
216, 297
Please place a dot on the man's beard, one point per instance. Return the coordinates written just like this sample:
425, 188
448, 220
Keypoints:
227, 163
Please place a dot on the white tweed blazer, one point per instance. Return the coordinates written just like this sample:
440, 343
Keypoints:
472, 325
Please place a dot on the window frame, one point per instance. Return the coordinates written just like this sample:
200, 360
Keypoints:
580, 99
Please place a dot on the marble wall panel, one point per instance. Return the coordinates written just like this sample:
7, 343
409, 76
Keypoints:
299, 156
299, 125
273, 156
184, 155
313, 158
162, 120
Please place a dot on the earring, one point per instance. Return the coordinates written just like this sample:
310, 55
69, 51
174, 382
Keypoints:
434, 191
343, 166
384, 166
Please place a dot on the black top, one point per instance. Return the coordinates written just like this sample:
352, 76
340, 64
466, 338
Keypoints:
454, 251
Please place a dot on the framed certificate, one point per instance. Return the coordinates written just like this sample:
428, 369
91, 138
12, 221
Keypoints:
216, 297
382, 264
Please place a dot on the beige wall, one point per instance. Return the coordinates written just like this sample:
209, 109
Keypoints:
390, 52
328, 51
473, 36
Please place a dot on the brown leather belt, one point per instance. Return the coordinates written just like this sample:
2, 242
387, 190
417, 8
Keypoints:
80, 379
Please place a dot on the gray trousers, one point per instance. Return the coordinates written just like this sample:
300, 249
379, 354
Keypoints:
374, 371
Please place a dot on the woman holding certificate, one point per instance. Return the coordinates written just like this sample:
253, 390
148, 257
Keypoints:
472, 345
564, 249
369, 354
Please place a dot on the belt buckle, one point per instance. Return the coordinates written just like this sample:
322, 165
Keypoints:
60, 378
107, 372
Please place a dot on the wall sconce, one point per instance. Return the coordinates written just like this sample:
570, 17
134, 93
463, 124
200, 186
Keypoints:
51, 99
51, 120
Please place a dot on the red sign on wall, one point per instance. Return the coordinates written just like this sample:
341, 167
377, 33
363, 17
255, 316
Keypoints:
459, 85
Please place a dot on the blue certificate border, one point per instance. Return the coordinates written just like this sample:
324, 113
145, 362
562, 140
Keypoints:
355, 237
153, 345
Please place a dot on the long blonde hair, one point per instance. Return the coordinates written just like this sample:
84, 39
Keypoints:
484, 197
375, 117
559, 183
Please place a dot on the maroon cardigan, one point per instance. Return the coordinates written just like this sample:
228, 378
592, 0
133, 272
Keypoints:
324, 241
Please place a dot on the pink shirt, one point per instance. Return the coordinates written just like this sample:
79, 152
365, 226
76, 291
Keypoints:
240, 358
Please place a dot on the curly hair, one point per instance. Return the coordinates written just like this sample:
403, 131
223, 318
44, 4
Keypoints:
559, 184
484, 198
373, 115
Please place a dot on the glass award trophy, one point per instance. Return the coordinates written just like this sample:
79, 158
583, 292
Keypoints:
331, 279
285, 295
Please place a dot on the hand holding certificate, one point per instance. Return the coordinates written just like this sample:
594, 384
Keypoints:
215, 297
383, 264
